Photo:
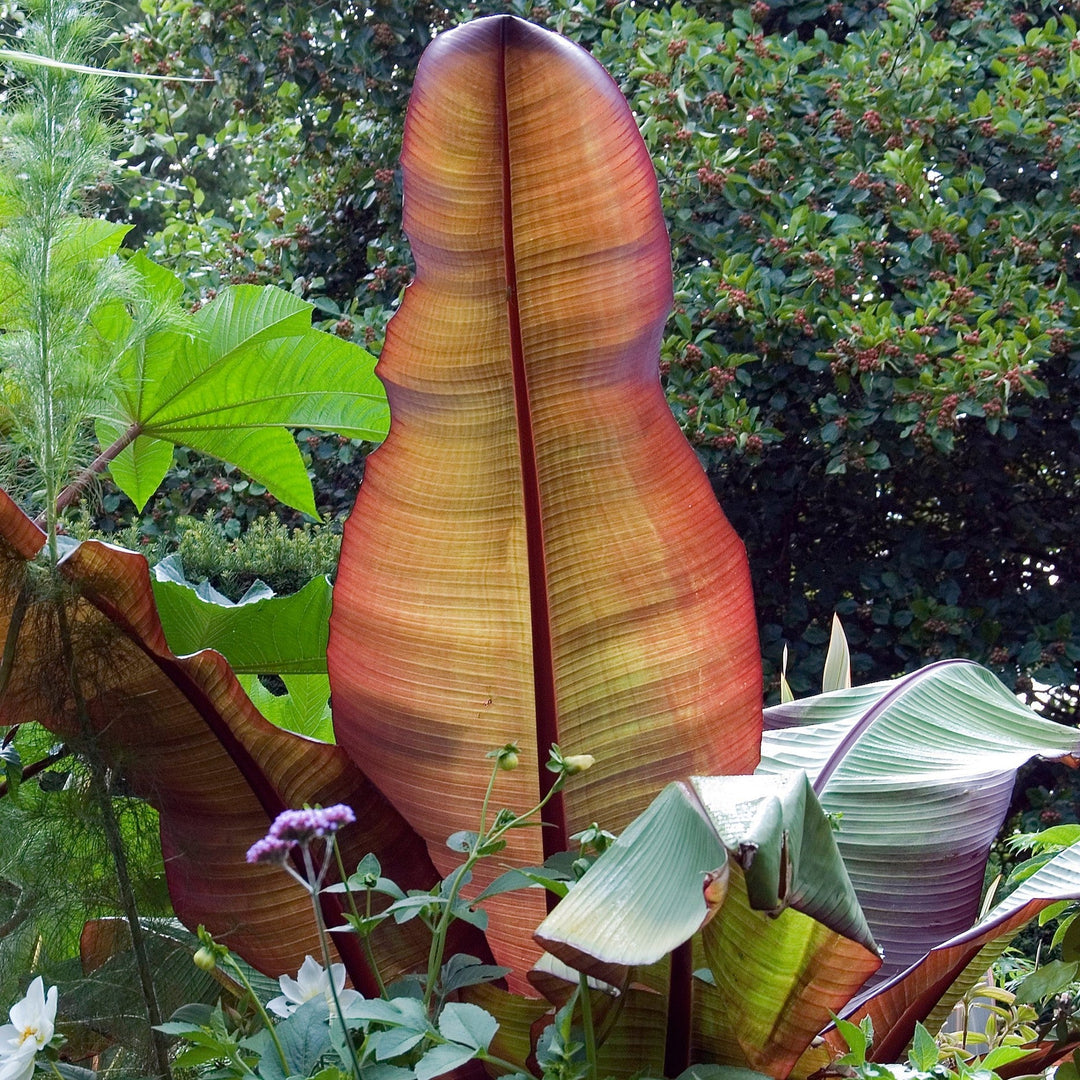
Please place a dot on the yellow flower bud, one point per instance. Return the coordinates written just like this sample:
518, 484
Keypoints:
577, 763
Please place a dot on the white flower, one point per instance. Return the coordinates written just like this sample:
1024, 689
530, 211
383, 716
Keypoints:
31, 1029
311, 982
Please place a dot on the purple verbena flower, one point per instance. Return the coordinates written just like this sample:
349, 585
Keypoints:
306, 825
270, 849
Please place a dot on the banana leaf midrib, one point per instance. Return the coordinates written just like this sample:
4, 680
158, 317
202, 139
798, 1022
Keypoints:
555, 833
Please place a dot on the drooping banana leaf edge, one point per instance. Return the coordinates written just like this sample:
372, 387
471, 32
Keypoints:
188, 740
919, 772
927, 991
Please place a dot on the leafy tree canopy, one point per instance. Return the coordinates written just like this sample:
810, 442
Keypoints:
872, 210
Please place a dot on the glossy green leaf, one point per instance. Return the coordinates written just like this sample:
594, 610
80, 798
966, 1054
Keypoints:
261, 633
232, 377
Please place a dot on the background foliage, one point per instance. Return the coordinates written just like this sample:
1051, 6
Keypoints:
875, 246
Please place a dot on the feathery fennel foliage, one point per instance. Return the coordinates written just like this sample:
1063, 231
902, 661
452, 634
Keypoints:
60, 278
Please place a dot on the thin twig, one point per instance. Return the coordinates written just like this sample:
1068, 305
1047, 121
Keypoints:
36, 767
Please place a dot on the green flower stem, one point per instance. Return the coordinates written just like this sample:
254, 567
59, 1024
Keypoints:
487, 797
313, 891
438, 942
369, 952
261, 1011
587, 1025
365, 940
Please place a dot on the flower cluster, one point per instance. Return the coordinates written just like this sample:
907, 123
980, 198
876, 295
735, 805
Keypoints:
292, 827
31, 1029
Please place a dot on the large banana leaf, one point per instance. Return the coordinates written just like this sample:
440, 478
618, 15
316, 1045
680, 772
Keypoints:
927, 991
188, 739
921, 771
535, 555
752, 860
229, 381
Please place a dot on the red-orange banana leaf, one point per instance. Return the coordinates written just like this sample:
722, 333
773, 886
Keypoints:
187, 739
536, 555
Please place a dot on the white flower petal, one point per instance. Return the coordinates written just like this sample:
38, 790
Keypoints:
280, 1006
47, 1024
29, 1012
20, 1064
312, 979
291, 989
337, 973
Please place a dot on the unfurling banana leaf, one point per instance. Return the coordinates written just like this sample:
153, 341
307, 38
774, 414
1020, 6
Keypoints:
536, 555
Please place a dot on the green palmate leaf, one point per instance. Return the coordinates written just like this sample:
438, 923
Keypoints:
922, 771
139, 470
303, 708
230, 380
262, 633
785, 942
